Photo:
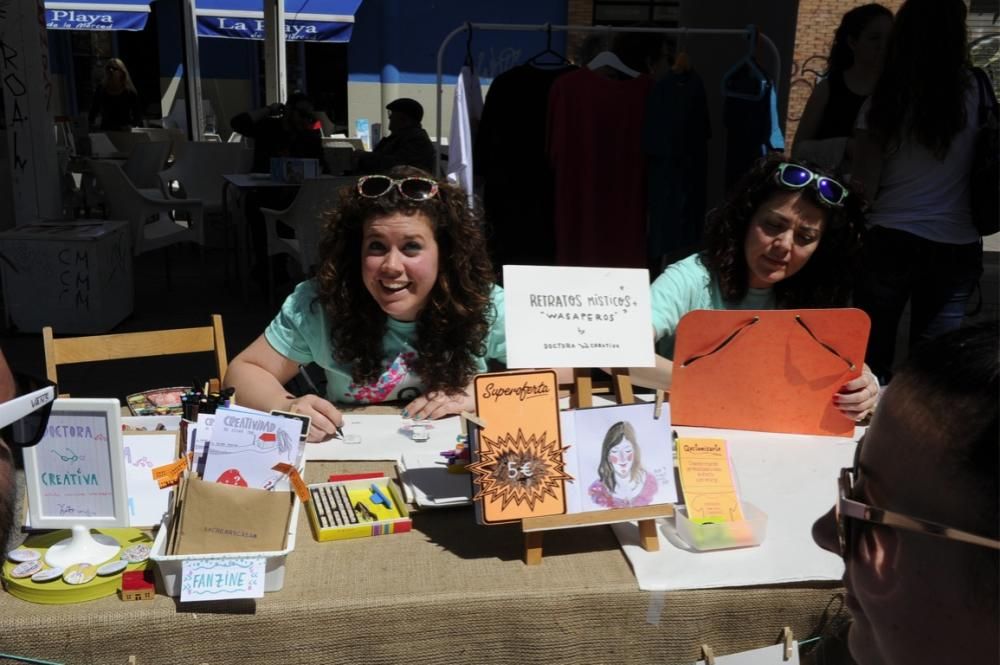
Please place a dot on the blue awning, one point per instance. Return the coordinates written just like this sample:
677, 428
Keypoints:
82, 15
305, 20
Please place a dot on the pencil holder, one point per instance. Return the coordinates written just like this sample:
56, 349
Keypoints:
748, 532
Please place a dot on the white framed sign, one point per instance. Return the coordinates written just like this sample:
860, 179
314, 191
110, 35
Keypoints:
75, 474
577, 317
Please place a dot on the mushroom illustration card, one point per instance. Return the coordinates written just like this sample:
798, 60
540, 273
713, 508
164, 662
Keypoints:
245, 446
619, 457
518, 456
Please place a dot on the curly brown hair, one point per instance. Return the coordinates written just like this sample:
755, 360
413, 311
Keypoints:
824, 281
453, 325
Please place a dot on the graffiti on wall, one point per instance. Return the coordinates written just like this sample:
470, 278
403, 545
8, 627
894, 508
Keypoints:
805, 76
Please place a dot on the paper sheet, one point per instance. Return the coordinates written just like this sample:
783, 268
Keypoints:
383, 437
141, 453
427, 483
792, 478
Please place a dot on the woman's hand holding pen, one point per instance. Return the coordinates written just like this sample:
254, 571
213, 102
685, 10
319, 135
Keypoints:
326, 419
438, 405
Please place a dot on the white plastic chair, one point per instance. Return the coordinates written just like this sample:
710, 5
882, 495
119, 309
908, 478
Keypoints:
305, 217
144, 164
198, 171
149, 217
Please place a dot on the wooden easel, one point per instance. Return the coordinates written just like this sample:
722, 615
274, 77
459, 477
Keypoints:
582, 396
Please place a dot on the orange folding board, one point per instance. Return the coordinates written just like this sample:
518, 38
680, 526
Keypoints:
769, 371
518, 470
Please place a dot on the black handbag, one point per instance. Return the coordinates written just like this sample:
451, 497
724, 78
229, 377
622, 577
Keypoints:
984, 184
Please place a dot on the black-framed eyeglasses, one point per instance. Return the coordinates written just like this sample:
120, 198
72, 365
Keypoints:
413, 188
847, 507
23, 419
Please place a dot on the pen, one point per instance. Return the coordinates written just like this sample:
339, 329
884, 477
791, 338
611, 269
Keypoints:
312, 386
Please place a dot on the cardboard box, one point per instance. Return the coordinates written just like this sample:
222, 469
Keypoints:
294, 170
75, 276
170, 568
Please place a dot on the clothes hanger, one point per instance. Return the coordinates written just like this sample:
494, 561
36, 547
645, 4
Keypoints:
609, 59
746, 80
536, 61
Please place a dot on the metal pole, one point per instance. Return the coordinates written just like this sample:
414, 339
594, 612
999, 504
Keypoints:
530, 27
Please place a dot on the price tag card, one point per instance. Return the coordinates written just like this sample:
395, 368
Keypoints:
577, 317
707, 480
218, 579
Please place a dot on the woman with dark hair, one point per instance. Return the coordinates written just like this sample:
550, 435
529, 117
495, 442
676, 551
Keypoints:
853, 69
915, 144
403, 306
116, 101
622, 482
786, 238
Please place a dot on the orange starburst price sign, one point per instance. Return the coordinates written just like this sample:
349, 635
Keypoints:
519, 467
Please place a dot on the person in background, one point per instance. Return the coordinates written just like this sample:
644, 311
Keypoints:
853, 69
914, 148
116, 101
403, 307
786, 238
407, 143
917, 520
278, 130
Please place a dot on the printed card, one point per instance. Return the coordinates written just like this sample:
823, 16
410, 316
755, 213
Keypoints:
708, 481
619, 457
518, 457
220, 579
577, 317
245, 447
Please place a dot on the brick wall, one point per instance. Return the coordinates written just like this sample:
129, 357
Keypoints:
578, 12
818, 20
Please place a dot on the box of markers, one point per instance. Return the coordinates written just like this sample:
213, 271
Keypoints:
354, 509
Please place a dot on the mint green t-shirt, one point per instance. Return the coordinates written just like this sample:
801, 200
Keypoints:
686, 286
301, 332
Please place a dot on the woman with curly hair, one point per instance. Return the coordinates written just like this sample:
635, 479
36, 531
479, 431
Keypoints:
787, 237
403, 307
915, 145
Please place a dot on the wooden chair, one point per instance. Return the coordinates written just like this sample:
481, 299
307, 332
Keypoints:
70, 350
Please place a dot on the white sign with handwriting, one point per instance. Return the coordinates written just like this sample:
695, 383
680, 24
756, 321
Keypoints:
577, 317
772, 655
222, 579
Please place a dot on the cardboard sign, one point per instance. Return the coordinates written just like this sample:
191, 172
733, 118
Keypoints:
577, 317
142, 452
518, 457
75, 474
707, 477
768, 371
222, 579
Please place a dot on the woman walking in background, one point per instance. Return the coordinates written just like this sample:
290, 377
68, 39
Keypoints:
914, 149
116, 101
853, 69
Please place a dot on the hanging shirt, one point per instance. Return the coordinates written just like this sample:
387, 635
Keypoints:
675, 139
594, 130
465, 114
752, 126
510, 158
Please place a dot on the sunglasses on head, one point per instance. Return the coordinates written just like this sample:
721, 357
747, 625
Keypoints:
413, 188
850, 513
794, 176
23, 419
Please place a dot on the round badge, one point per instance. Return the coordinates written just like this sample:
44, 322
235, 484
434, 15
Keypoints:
79, 573
112, 568
25, 569
22, 554
136, 553
47, 575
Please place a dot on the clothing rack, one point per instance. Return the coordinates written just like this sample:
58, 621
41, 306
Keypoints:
546, 27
